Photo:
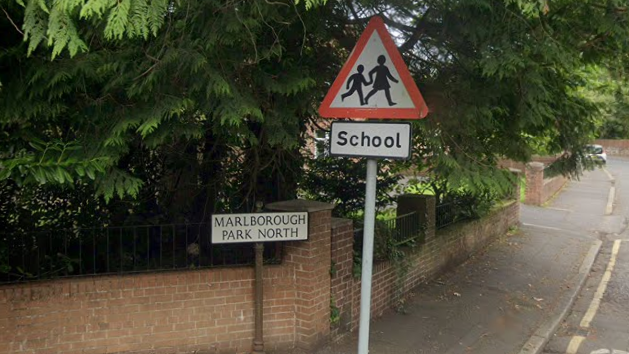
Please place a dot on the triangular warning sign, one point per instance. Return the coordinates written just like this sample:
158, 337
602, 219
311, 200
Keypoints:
374, 82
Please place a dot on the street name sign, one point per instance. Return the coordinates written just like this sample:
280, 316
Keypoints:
259, 227
374, 82
371, 139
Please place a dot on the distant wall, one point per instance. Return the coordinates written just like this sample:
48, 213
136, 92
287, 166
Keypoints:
546, 160
614, 147
540, 189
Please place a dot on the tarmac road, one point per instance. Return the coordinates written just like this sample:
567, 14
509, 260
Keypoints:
598, 323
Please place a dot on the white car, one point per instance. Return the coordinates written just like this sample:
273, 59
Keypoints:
596, 153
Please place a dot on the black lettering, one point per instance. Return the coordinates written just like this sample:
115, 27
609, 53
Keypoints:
248, 234
269, 220
302, 219
362, 139
342, 138
376, 141
398, 145
219, 222
237, 221
277, 220
294, 232
353, 141
229, 235
230, 222
389, 142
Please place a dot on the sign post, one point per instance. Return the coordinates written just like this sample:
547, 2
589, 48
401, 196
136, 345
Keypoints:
367, 266
375, 62
258, 337
259, 228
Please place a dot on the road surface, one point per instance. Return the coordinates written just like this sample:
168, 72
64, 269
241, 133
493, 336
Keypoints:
598, 322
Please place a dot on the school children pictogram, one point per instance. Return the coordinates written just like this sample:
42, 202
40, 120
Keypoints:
381, 83
374, 82
356, 83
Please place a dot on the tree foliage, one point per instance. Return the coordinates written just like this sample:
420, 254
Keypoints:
609, 88
170, 102
342, 182
181, 108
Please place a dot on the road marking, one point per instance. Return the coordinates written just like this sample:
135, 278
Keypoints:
610, 201
543, 227
576, 341
574, 345
609, 175
596, 301
560, 209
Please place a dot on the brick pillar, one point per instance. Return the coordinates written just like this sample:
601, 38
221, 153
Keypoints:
425, 206
517, 175
534, 173
341, 292
311, 260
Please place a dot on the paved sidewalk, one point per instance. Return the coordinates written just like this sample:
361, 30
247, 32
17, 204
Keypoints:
500, 299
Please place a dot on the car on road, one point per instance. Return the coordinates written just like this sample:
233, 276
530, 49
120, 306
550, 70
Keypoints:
596, 153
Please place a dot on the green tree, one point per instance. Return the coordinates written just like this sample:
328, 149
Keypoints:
188, 107
198, 106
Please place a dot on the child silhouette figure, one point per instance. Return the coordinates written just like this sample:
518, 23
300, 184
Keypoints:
383, 75
356, 81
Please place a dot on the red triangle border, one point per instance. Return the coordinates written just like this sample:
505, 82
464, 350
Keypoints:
418, 112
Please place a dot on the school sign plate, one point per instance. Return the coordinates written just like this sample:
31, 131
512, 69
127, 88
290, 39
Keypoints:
259, 227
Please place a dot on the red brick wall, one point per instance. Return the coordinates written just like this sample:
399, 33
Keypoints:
209, 311
539, 189
443, 250
614, 147
552, 186
341, 289
164, 312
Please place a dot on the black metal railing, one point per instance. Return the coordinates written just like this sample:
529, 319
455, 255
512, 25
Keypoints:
402, 230
116, 250
449, 213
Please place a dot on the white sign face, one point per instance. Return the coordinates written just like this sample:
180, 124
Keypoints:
259, 227
374, 82
377, 140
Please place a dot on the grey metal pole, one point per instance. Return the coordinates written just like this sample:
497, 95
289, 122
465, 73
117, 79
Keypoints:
367, 267
258, 340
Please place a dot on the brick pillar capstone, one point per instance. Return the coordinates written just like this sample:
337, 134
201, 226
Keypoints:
311, 260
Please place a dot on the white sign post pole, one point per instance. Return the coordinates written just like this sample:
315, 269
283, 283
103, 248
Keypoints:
367, 267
